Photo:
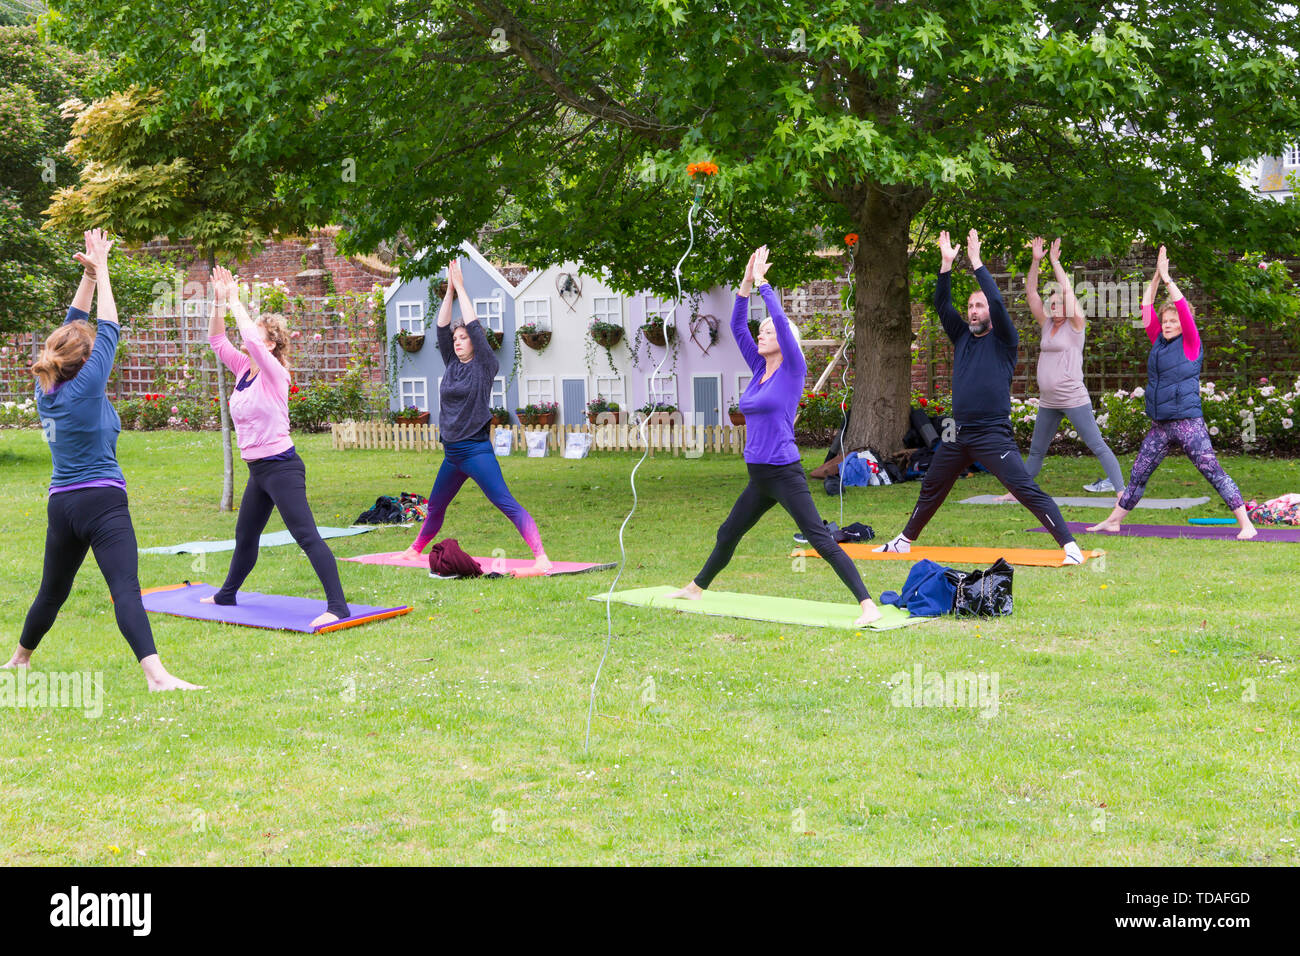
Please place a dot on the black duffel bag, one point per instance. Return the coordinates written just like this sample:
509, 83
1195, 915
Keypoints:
984, 593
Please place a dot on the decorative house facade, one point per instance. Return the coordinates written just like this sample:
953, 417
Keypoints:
1277, 173
411, 306
702, 374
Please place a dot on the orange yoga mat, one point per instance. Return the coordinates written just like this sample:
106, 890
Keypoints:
1027, 557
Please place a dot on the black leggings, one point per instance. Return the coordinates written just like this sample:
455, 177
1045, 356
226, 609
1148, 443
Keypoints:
995, 449
280, 484
786, 484
78, 521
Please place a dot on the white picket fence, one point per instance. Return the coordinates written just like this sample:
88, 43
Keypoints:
678, 439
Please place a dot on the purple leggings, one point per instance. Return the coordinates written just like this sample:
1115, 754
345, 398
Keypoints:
1191, 435
474, 459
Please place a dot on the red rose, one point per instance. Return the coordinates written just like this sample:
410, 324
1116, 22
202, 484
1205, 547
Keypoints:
923, 403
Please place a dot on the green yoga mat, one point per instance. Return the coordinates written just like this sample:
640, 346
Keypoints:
272, 540
761, 607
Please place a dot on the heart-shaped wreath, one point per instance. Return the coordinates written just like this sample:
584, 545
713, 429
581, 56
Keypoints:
705, 323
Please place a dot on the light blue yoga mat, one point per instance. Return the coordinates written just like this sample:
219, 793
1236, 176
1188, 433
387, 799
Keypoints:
1162, 504
762, 607
266, 541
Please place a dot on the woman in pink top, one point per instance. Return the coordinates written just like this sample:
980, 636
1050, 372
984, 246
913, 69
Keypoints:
1061, 392
277, 477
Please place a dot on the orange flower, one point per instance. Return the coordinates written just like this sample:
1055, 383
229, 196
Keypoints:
851, 240
705, 168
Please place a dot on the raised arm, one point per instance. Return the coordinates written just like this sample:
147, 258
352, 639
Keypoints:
1003, 327
740, 322
483, 354
1073, 314
230, 356
1152, 321
80, 308
948, 316
92, 379
252, 336
792, 359
1031, 283
442, 331
1191, 335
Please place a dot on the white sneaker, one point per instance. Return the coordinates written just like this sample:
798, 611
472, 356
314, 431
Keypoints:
1100, 486
899, 545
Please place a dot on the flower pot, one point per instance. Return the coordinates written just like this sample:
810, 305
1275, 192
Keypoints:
411, 343
661, 418
547, 419
498, 420
420, 419
494, 338
608, 338
536, 340
654, 334
737, 418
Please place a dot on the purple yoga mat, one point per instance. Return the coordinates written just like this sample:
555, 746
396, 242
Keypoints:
258, 610
1202, 532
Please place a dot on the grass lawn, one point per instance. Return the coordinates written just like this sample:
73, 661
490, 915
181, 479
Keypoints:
1125, 731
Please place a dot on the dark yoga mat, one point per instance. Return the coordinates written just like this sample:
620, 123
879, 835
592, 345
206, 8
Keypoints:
1200, 532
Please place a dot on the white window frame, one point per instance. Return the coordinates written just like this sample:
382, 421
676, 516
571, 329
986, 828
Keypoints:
742, 382
413, 320
541, 312
600, 392
655, 395
541, 380
498, 397
484, 311
607, 308
757, 307
422, 392
1291, 155
660, 308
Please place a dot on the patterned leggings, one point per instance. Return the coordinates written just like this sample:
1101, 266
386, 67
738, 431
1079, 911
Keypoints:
1191, 435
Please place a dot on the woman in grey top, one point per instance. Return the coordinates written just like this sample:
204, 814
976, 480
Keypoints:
1061, 392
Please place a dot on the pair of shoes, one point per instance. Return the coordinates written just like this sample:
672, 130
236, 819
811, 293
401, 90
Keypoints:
831, 526
1100, 486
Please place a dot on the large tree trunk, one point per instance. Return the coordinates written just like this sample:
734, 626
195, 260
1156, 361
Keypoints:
882, 337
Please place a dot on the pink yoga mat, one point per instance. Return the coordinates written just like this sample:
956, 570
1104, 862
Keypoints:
1202, 532
499, 565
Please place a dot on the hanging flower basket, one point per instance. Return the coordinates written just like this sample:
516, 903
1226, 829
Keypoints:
654, 334
536, 340
737, 418
608, 335
410, 343
494, 338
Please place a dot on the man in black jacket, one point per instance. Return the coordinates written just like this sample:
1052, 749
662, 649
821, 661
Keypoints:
985, 348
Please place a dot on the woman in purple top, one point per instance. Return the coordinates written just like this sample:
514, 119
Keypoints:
1173, 403
771, 456
87, 505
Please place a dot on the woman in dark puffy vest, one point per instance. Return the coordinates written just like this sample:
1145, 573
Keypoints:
1173, 400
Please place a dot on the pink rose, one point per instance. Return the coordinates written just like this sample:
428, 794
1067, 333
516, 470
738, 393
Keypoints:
175, 410
316, 336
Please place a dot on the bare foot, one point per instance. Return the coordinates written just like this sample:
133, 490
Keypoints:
411, 554
22, 658
326, 618
869, 613
542, 565
1107, 525
170, 682
1005, 499
1248, 532
691, 592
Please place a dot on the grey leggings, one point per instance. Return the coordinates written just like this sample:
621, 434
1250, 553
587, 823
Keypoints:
1048, 423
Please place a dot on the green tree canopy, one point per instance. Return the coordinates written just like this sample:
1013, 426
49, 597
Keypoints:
1101, 122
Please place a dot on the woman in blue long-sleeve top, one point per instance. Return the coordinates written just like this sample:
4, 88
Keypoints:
87, 505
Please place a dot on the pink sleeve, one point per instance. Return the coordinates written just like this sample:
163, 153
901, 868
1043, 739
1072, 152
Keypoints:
234, 359
266, 362
1153, 322
1191, 335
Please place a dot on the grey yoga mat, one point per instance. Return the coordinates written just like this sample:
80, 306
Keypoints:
1107, 503
266, 541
